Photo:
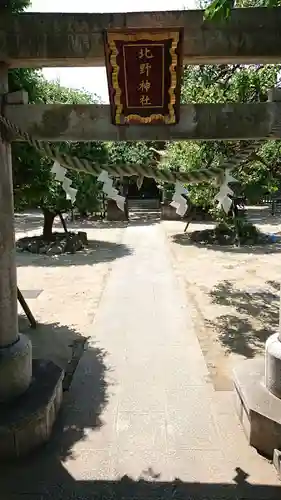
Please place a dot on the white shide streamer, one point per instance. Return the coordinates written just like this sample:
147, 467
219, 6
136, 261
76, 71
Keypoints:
179, 202
223, 199
110, 191
60, 176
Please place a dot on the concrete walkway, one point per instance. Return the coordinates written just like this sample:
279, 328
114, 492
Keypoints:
142, 405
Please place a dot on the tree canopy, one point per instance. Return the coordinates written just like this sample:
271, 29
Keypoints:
221, 9
34, 184
14, 5
227, 83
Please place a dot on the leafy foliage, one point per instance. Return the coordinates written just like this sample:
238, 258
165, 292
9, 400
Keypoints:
220, 10
134, 152
225, 234
226, 83
34, 185
14, 5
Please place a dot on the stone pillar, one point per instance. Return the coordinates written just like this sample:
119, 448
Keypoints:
257, 383
273, 360
15, 349
34, 388
273, 343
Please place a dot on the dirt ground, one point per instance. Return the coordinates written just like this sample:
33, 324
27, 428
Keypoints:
63, 292
234, 294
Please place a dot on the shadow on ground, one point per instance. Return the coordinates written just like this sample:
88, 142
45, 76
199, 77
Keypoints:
239, 333
55, 483
79, 411
54, 341
83, 404
43, 476
96, 252
183, 239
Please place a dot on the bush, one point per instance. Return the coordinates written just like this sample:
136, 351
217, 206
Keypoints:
225, 233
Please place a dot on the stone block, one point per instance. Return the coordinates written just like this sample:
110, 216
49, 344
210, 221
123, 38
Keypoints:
83, 237
274, 94
277, 462
17, 97
114, 213
258, 409
27, 421
168, 212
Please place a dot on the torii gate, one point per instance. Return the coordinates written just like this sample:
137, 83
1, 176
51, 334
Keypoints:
37, 40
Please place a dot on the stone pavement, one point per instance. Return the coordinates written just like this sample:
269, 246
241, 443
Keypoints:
142, 419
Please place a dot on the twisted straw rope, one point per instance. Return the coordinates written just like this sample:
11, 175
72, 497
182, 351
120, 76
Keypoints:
144, 170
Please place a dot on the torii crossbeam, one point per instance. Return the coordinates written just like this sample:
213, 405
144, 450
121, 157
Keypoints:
250, 36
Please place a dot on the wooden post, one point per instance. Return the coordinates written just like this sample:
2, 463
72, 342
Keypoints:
15, 349
26, 309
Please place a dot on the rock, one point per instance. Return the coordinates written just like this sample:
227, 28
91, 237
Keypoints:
23, 243
43, 249
34, 246
83, 237
61, 243
56, 249
73, 243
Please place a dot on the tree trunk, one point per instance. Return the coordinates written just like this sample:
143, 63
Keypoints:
236, 226
49, 218
63, 222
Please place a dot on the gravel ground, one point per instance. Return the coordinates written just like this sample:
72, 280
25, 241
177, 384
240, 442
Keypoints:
234, 294
64, 291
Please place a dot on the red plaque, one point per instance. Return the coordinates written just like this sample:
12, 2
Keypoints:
143, 71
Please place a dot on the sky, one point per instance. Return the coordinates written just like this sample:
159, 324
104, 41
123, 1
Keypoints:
94, 79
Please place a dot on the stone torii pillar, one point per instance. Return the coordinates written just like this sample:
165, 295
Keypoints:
34, 389
15, 349
257, 385
273, 361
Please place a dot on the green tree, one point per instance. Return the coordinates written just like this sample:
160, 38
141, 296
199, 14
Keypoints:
221, 9
14, 5
226, 83
34, 184
133, 152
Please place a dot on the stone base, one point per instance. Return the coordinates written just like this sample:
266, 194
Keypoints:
168, 212
114, 213
15, 369
27, 421
273, 364
259, 410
